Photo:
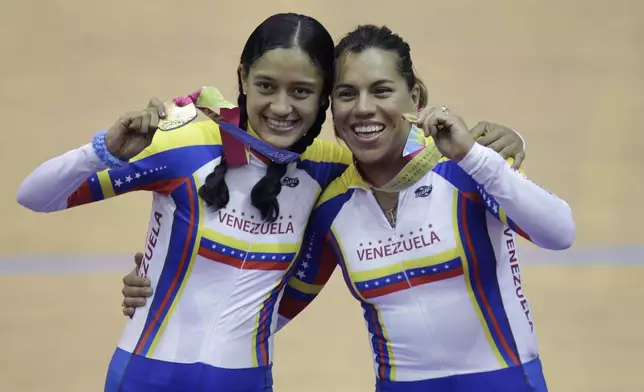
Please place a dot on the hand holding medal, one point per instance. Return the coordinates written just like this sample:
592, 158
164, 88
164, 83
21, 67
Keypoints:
448, 130
211, 102
133, 132
422, 156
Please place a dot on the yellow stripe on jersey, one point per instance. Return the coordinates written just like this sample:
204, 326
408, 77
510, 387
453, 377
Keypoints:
468, 282
503, 216
431, 260
186, 278
327, 151
390, 352
343, 254
224, 239
361, 276
247, 246
304, 287
335, 188
193, 134
106, 184
256, 330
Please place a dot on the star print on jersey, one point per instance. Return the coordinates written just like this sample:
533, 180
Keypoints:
130, 179
140, 175
242, 259
308, 255
489, 202
409, 278
397, 244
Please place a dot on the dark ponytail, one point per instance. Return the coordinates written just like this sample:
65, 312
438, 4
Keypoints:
278, 31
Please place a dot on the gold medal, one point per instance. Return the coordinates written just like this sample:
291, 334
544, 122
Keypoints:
424, 156
411, 118
176, 116
414, 170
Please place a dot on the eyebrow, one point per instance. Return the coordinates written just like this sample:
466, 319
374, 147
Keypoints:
377, 82
299, 83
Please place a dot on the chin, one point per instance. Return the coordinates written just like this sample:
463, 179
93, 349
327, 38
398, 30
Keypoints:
283, 142
372, 157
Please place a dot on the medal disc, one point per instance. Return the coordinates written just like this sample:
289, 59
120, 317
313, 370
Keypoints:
176, 116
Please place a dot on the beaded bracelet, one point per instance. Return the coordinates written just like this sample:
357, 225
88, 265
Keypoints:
100, 149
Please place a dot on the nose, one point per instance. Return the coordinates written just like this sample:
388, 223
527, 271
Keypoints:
365, 106
281, 106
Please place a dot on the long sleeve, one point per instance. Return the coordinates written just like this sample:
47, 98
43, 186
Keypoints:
316, 259
79, 177
312, 271
533, 212
48, 188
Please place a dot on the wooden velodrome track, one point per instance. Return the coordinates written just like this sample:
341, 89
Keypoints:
568, 75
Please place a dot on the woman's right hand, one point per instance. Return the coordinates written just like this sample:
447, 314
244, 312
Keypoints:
133, 132
135, 289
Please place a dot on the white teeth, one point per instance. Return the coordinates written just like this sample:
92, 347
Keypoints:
280, 124
368, 128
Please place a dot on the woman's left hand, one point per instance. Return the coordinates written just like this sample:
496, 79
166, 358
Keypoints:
450, 134
499, 138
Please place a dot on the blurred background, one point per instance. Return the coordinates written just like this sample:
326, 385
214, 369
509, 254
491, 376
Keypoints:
569, 76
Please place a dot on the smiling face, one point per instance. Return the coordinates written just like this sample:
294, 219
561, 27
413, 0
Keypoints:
369, 99
283, 90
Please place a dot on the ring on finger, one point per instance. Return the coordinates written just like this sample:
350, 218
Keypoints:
444, 110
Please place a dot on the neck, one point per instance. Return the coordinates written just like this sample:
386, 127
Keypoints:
380, 173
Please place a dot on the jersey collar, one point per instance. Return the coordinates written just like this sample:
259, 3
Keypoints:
355, 179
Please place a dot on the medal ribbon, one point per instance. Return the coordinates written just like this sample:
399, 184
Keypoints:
420, 153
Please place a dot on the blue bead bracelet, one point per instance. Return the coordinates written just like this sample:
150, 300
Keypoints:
100, 149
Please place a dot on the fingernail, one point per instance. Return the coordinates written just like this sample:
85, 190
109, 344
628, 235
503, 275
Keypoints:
148, 291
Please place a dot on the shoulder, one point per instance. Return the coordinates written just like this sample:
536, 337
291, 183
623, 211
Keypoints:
325, 161
339, 190
194, 134
331, 202
326, 151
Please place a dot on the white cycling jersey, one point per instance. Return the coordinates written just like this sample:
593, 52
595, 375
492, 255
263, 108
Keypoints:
217, 276
441, 292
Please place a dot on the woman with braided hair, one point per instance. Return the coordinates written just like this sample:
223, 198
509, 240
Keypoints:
224, 232
216, 273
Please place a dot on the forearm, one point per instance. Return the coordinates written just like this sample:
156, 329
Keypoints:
544, 217
48, 187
